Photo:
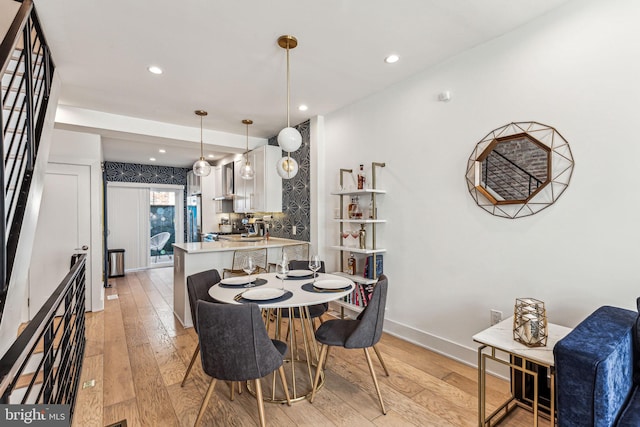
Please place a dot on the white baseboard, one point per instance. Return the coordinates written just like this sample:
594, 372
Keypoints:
450, 349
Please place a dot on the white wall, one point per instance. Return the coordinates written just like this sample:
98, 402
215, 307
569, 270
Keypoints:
448, 260
77, 148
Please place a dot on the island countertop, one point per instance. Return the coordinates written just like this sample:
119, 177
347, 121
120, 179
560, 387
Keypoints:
230, 245
191, 258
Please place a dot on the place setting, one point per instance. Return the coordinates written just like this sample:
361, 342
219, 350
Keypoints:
241, 282
263, 295
327, 285
248, 281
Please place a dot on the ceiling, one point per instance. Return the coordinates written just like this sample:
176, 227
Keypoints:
222, 56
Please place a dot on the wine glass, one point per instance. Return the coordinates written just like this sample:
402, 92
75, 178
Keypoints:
355, 233
345, 235
314, 265
249, 266
282, 269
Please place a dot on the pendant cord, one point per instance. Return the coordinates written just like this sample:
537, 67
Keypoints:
201, 143
246, 153
288, 86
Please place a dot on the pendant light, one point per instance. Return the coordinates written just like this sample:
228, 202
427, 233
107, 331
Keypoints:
201, 167
246, 172
289, 138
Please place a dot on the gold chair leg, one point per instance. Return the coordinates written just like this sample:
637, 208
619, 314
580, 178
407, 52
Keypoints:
323, 354
239, 387
193, 359
326, 358
283, 378
232, 387
207, 396
260, 402
375, 380
386, 371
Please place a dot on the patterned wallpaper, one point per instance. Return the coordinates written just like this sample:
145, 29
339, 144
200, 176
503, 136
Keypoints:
296, 195
147, 174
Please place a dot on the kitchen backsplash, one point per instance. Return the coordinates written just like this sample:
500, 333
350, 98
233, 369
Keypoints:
296, 195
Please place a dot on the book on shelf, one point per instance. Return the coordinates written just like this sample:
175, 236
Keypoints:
368, 272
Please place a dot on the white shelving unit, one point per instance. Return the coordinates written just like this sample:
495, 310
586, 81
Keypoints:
369, 224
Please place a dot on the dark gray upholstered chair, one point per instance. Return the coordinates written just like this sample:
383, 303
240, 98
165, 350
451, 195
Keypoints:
363, 332
235, 347
315, 311
198, 289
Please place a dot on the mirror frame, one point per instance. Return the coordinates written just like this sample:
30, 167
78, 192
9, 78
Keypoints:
559, 169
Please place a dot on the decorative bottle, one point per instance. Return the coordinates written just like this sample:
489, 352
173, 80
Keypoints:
362, 235
351, 265
352, 207
362, 179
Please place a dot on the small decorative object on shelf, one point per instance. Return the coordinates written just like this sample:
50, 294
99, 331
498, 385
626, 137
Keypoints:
362, 234
351, 266
362, 179
530, 322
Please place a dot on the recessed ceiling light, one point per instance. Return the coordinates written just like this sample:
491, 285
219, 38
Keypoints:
391, 59
154, 69
303, 108
153, 159
162, 150
210, 156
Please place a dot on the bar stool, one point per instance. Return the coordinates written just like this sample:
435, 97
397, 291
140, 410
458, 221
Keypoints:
239, 255
292, 253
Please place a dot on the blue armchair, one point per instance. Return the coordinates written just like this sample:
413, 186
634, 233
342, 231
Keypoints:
595, 368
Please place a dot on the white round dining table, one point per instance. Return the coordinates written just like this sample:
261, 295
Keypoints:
297, 305
300, 297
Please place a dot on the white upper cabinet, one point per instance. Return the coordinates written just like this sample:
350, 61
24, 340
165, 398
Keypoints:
193, 184
263, 193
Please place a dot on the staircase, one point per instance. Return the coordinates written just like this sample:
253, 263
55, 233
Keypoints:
42, 366
26, 75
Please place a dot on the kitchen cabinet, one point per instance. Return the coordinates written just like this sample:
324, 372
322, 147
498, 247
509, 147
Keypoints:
371, 253
193, 184
263, 193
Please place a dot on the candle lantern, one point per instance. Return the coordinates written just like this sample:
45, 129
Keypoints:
530, 322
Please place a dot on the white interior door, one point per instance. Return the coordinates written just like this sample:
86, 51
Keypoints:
128, 224
64, 224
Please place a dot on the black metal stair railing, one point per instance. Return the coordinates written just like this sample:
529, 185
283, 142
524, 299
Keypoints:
26, 72
54, 342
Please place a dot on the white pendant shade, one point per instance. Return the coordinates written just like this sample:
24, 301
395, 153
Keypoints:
287, 167
201, 167
246, 171
289, 139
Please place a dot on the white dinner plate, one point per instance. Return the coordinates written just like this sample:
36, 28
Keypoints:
299, 273
331, 284
261, 294
239, 280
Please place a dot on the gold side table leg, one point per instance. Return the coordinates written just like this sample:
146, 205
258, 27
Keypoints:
481, 387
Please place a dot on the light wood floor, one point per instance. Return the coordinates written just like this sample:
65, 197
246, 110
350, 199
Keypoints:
137, 353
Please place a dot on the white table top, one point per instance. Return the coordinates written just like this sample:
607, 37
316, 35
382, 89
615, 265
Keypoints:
300, 297
500, 336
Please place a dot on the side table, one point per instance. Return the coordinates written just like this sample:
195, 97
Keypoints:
497, 344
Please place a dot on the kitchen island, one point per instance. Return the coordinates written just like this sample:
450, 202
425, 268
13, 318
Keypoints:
191, 258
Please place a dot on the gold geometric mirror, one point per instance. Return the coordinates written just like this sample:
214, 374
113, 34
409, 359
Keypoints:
519, 169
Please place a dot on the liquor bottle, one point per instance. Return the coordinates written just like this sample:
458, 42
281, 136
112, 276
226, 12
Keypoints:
351, 265
362, 179
352, 207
